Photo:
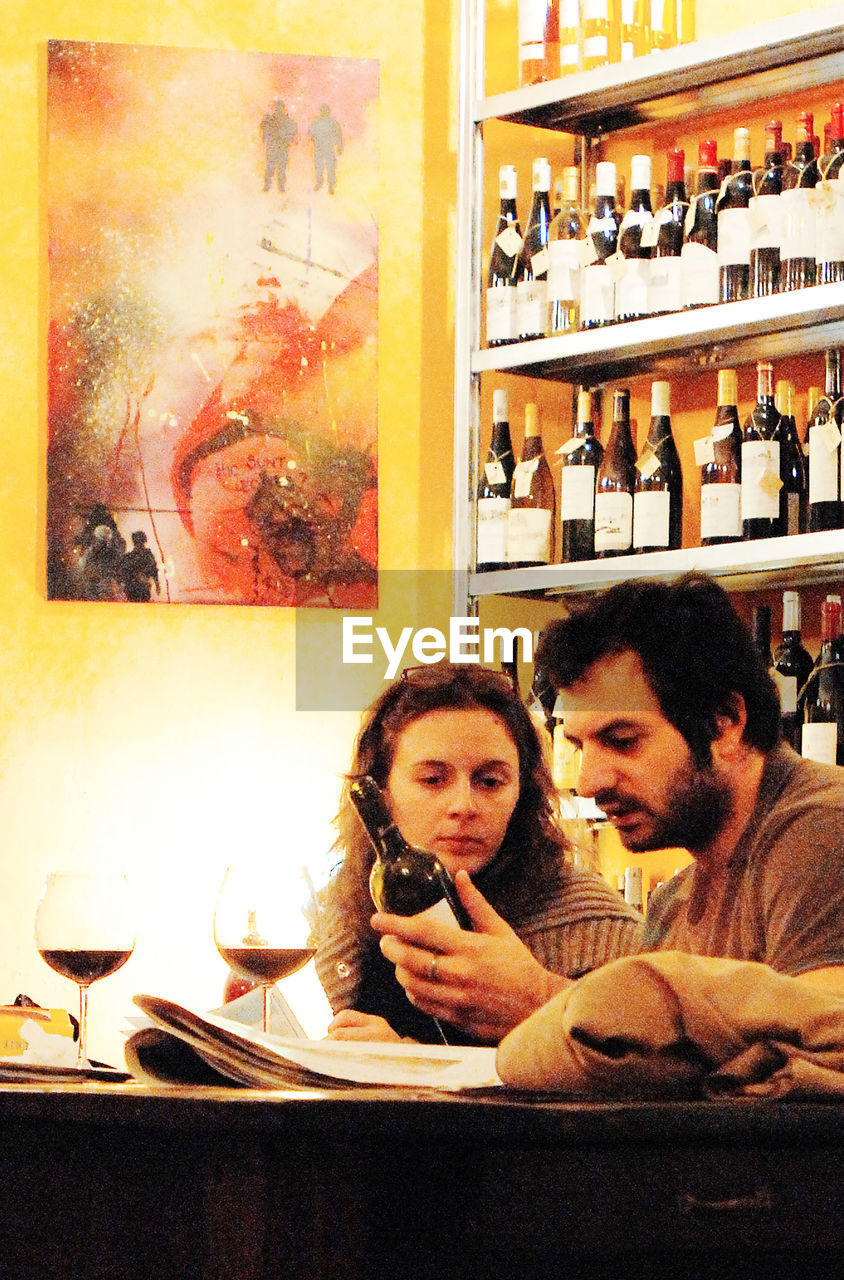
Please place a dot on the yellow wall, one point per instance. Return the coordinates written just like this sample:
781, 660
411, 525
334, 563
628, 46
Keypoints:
164, 739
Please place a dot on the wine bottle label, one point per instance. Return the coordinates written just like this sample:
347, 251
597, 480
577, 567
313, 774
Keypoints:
532, 308
787, 686
666, 292
819, 742
765, 228
760, 480
651, 510
632, 287
577, 493
704, 448
699, 275
647, 464
720, 511
829, 207
823, 463
501, 314
597, 295
563, 270
798, 225
733, 238
509, 241
531, 23
440, 912
495, 473
529, 535
493, 514
613, 521
596, 50
522, 477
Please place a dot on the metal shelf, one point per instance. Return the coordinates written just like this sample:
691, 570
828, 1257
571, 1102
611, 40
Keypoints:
739, 566
731, 333
711, 75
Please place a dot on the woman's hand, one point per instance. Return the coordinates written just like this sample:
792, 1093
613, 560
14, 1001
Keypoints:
485, 982
348, 1024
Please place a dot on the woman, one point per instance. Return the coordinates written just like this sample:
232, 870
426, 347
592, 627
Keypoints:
464, 771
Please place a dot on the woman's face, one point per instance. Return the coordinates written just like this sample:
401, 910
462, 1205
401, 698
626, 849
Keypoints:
453, 785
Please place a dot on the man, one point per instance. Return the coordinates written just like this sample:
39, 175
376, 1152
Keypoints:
677, 722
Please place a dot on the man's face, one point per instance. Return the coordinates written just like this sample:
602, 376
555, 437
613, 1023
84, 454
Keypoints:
636, 765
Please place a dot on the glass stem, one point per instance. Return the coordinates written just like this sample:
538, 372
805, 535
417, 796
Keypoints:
83, 1024
267, 997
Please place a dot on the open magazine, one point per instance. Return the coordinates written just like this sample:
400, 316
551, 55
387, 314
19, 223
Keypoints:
182, 1046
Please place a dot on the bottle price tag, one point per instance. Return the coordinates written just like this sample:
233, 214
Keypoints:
827, 435
650, 234
495, 473
570, 445
616, 265
704, 449
723, 432
522, 477
648, 463
770, 483
539, 262
509, 241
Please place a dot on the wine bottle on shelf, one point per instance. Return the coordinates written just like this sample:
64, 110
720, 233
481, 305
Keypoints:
798, 228
571, 38
829, 207
530, 526
733, 208
765, 232
822, 737
794, 494
761, 514
791, 669
666, 293
632, 281
565, 243
539, 41
720, 472
504, 265
823, 435
493, 505
581, 458
532, 290
597, 297
699, 255
658, 492
833, 159
615, 483
601, 21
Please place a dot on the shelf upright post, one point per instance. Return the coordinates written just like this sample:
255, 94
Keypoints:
467, 294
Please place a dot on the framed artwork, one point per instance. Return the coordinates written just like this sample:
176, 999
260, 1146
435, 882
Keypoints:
213, 326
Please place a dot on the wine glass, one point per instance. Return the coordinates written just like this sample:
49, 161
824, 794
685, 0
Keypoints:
263, 924
85, 930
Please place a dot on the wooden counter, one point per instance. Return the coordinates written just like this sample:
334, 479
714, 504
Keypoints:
112, 1182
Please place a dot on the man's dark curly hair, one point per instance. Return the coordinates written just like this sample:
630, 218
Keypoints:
696, 652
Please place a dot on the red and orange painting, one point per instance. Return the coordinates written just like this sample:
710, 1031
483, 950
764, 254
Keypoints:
213, 326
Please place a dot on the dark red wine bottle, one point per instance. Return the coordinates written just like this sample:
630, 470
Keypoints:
798, 267
794, 494
833, 160
532, 317
823, 710
666, 266
700, 246
493, 504
823, 438
658, 494
504, 265
733, 207
761, 515
765, 234
632, 284
614, 485
581, 458
791, 669
720, 476
597, 300
829, 243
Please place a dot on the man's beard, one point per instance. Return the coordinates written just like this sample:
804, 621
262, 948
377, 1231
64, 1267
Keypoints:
697, 805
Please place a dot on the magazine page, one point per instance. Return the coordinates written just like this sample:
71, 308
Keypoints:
248, 1056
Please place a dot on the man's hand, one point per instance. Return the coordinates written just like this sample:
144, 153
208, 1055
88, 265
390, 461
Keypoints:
485, 982
348, 1024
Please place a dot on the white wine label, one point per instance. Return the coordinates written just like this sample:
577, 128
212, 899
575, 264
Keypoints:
666, 292
522, 477
704, 448
760, 480
577, 493
529, 535
539, 262
820, 742
787, 688
493, 516
647, 464
501, 314
797, 224
632, 288
441, 912
733, 238
597, 296
495, 473
650, 518
700, 275
830, 221
531, 21
823, 463
509, 241
596, 49
613, 521
720, 511
765, 229
564, 270
532, 308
